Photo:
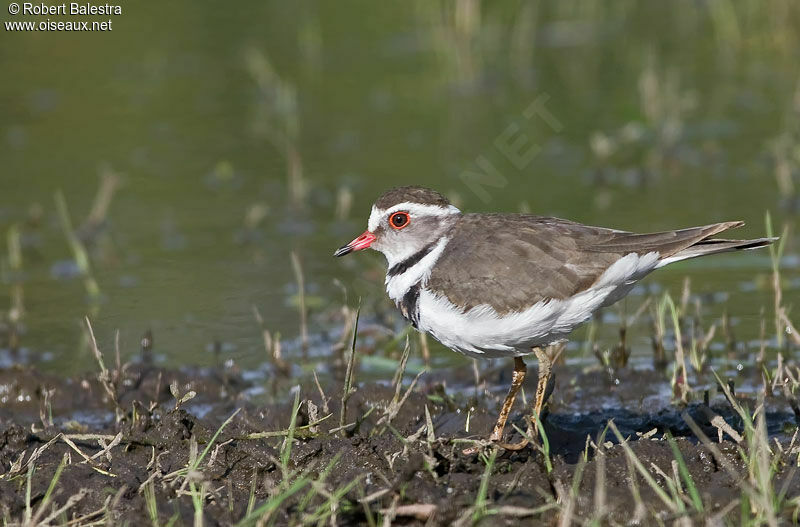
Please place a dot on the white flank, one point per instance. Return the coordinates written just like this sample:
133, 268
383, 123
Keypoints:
412, 208
398, 285
482, 332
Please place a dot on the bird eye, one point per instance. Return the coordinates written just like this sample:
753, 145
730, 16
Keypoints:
398, 220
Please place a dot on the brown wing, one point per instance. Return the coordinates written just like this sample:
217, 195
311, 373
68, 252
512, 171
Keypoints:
512, 261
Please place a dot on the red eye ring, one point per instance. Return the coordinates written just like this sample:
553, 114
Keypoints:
399, 220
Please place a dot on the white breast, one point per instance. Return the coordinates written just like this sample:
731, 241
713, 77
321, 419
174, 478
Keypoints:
398, 285
482, 332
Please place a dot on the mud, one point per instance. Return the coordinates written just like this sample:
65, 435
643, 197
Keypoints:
371, 469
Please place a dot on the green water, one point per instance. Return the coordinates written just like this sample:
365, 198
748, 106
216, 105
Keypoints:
647, 116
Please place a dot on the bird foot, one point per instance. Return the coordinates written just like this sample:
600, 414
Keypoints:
479, 446
496, 441
514, 446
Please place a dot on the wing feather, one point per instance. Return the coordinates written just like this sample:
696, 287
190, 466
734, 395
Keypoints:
511, 261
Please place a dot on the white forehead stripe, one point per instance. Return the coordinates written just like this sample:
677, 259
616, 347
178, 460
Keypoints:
412, 208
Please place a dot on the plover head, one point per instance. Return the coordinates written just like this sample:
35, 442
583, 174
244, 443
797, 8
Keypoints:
403, 222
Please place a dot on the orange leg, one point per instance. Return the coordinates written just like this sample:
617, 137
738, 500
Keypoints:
543, 389
516, 381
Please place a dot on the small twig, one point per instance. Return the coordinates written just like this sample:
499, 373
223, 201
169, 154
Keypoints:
790, 329
720, 424
355, 424
271, 345
322, 397
109, 181
683, 382
348, 378
418, 511
71, 501
375, 495
721, 460
114, 442
391, 412
301, 297
77, 247
281, 433
80, 520
341, 428
431, 435
523, 512
86, 458
397, 380
104, 377
637, 464
18, 466
639, 312
90, 437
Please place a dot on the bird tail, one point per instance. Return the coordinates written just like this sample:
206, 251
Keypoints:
708, 245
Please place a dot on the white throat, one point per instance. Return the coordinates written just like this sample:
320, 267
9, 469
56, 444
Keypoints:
398, 285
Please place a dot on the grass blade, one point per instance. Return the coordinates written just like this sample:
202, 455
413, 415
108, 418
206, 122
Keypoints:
214, 438
483, 490
686, 476
286, 450
348, 378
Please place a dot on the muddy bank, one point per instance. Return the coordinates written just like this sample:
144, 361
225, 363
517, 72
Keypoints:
150, 446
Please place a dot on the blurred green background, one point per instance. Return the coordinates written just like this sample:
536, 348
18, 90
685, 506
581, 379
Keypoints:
237, 133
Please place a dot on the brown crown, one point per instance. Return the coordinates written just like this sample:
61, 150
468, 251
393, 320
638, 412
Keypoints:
421, 195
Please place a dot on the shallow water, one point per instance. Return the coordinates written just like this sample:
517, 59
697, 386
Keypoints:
645, 117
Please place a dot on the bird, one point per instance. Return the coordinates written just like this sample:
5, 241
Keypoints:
495, 285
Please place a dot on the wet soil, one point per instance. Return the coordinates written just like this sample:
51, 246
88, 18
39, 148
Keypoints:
375, 467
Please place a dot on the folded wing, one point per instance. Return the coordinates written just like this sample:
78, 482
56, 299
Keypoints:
512, 261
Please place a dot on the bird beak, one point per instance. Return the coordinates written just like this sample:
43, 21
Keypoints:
362, 242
